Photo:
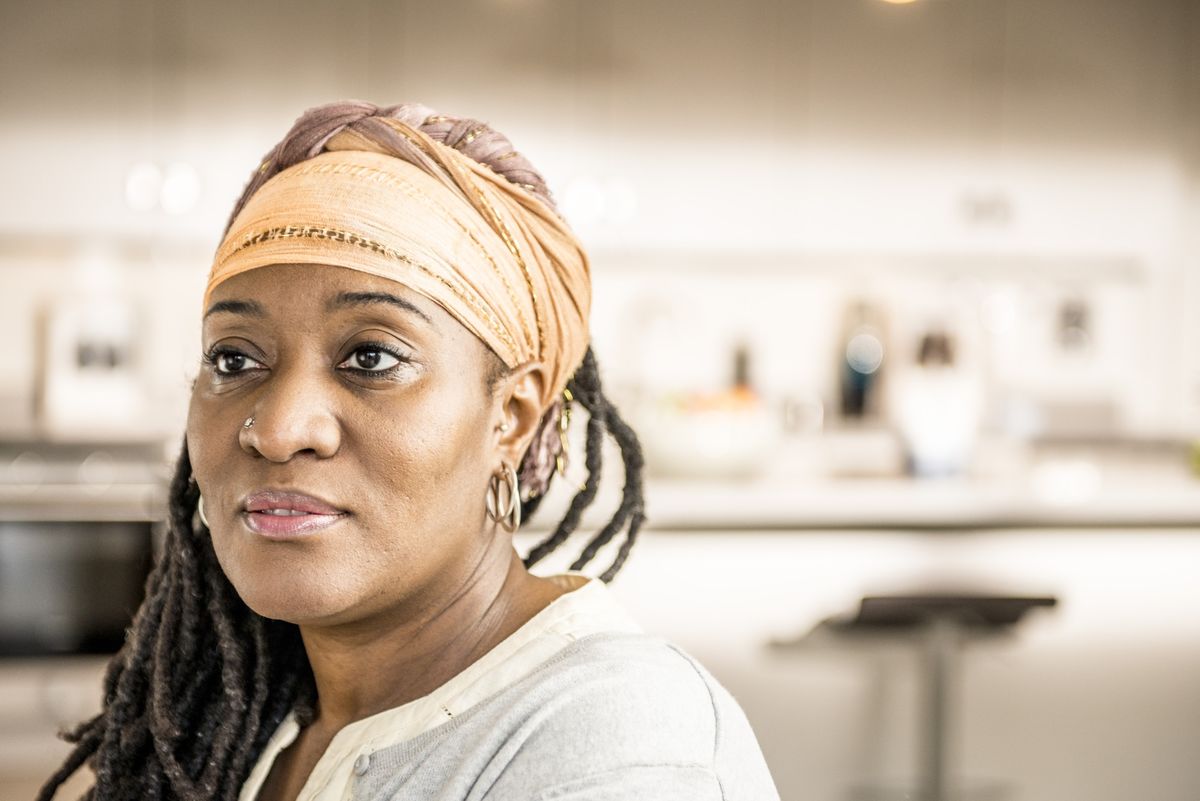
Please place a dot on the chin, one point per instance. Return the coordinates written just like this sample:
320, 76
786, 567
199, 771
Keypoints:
291, 604
290, 584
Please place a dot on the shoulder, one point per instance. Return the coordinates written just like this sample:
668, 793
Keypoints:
641, 685
633, 658
633, 708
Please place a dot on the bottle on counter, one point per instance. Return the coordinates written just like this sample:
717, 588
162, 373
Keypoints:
721, 433
938, 408
742, 389
861, 362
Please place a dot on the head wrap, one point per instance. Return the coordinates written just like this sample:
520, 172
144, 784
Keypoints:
409, 208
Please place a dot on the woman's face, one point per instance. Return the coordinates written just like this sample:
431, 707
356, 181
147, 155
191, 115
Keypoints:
367, 396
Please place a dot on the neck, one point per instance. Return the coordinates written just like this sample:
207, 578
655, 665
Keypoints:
375, 665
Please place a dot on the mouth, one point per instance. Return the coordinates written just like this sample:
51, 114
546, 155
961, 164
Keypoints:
286, 514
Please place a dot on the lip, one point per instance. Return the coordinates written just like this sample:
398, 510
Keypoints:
308, 513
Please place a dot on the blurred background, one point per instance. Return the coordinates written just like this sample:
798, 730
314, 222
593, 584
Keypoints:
901, 297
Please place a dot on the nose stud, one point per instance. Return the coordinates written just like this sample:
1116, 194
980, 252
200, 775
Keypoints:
249, 422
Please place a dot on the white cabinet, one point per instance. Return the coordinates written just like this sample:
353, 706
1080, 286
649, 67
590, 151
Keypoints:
38, 698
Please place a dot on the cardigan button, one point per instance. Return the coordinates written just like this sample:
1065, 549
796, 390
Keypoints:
362, 764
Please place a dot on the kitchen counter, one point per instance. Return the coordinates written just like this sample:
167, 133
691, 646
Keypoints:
1061, 493
907, 505
38, 698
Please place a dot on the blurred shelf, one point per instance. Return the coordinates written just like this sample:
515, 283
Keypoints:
1118, 268
44, 503
897, 505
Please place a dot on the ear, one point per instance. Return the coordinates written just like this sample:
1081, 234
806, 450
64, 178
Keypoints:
517, 405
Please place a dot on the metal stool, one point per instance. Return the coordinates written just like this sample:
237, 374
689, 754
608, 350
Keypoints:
940, 623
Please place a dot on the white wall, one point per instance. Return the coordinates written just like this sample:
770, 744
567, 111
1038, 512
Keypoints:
752, 125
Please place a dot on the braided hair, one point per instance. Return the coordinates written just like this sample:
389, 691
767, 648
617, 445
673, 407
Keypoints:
202, 681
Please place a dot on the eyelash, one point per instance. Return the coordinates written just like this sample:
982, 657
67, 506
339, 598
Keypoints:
212, 357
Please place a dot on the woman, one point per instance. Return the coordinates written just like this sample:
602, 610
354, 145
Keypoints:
394, 330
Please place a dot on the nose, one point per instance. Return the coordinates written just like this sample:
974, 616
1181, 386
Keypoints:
293, 414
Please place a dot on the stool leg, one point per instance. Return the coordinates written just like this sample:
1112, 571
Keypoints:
941, 655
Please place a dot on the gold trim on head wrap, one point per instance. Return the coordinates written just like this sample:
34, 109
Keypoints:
493, 255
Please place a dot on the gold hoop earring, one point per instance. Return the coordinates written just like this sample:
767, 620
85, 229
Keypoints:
200, 509
508, 513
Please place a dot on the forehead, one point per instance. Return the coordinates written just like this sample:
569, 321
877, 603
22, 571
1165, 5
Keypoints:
305, 280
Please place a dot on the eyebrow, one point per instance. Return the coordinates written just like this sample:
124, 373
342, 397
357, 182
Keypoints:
346, 299
248, 307
343, 300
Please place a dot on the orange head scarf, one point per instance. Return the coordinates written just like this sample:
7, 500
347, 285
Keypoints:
381, 195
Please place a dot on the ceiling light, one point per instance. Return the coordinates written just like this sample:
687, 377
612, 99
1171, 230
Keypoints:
180, 188
142, 185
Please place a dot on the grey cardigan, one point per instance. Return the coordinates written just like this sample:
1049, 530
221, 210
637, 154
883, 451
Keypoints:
611, 716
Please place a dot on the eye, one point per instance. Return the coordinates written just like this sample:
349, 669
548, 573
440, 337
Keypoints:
228, 362
373, 358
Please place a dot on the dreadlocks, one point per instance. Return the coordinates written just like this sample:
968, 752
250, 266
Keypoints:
602, 418
202, 681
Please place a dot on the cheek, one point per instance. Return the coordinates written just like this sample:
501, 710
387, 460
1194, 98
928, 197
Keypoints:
428, 459
202, 445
